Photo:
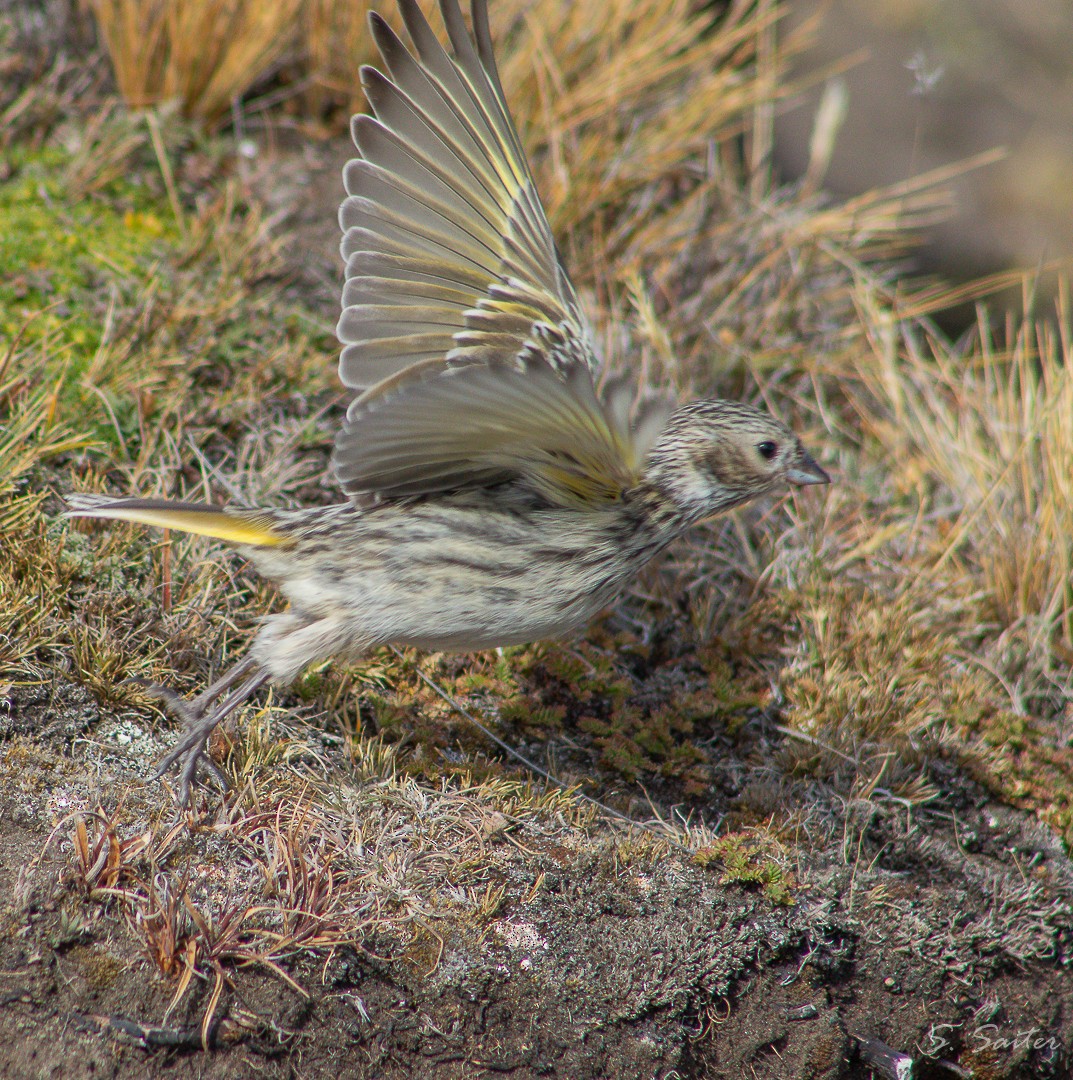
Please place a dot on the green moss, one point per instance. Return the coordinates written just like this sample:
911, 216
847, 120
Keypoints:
310, 684
59, 258
527, 715
126, 316
390, 716
1019, 759
634, 741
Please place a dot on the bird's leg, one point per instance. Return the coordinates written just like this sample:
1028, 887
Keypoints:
201, 716
186, 710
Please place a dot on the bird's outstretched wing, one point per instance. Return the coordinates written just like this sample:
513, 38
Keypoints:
486, 424
449, 256
460, 326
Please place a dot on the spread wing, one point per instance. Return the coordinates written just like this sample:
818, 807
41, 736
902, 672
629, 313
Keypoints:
460, 326
485, 424
449, 256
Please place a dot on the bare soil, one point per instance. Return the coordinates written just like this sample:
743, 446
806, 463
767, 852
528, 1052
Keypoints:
941, 933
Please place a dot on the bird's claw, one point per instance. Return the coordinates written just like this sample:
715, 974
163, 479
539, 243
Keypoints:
192, 749
199, 718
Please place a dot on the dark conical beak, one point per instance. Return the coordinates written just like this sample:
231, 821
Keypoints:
807, 472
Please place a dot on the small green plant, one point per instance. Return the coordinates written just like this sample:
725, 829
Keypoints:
748, 860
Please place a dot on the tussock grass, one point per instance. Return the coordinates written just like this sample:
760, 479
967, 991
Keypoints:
934, 606
985, 427
335, 41
203, 53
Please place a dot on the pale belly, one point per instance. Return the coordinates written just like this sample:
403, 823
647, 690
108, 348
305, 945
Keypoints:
444, 579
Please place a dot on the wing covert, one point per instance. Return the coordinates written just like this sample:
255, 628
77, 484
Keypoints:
479, 425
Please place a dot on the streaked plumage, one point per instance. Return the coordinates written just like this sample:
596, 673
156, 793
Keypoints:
495, 494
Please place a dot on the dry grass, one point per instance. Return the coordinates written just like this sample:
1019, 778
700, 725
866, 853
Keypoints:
373, 861
29, 430
336, 42
208, 54
103, 377
985, 431
701, 273
934, 605
205, 54
724, 279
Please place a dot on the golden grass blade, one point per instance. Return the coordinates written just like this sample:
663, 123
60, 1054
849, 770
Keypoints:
204, 53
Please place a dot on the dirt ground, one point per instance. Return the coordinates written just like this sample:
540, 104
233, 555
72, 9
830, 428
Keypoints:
937, 935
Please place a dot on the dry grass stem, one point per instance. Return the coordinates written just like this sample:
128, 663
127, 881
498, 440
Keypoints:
205, 54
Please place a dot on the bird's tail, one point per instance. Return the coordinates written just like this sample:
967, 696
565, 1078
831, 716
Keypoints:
237, 526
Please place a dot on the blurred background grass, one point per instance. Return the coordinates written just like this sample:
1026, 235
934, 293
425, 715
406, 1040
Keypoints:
927, 82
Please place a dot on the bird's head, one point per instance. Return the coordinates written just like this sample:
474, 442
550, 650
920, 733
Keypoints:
714, 455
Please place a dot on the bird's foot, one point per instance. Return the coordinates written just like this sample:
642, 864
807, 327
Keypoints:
200, 718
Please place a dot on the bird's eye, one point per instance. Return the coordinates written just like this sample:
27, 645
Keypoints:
767, 450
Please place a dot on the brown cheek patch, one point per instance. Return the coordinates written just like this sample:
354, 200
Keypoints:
732, 468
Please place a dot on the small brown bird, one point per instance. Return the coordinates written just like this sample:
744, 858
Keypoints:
498, 491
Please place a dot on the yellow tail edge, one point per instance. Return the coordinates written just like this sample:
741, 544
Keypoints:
202, 519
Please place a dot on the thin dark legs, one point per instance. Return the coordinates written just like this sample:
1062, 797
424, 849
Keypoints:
201, 716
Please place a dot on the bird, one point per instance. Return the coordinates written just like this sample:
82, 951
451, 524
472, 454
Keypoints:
500, 487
